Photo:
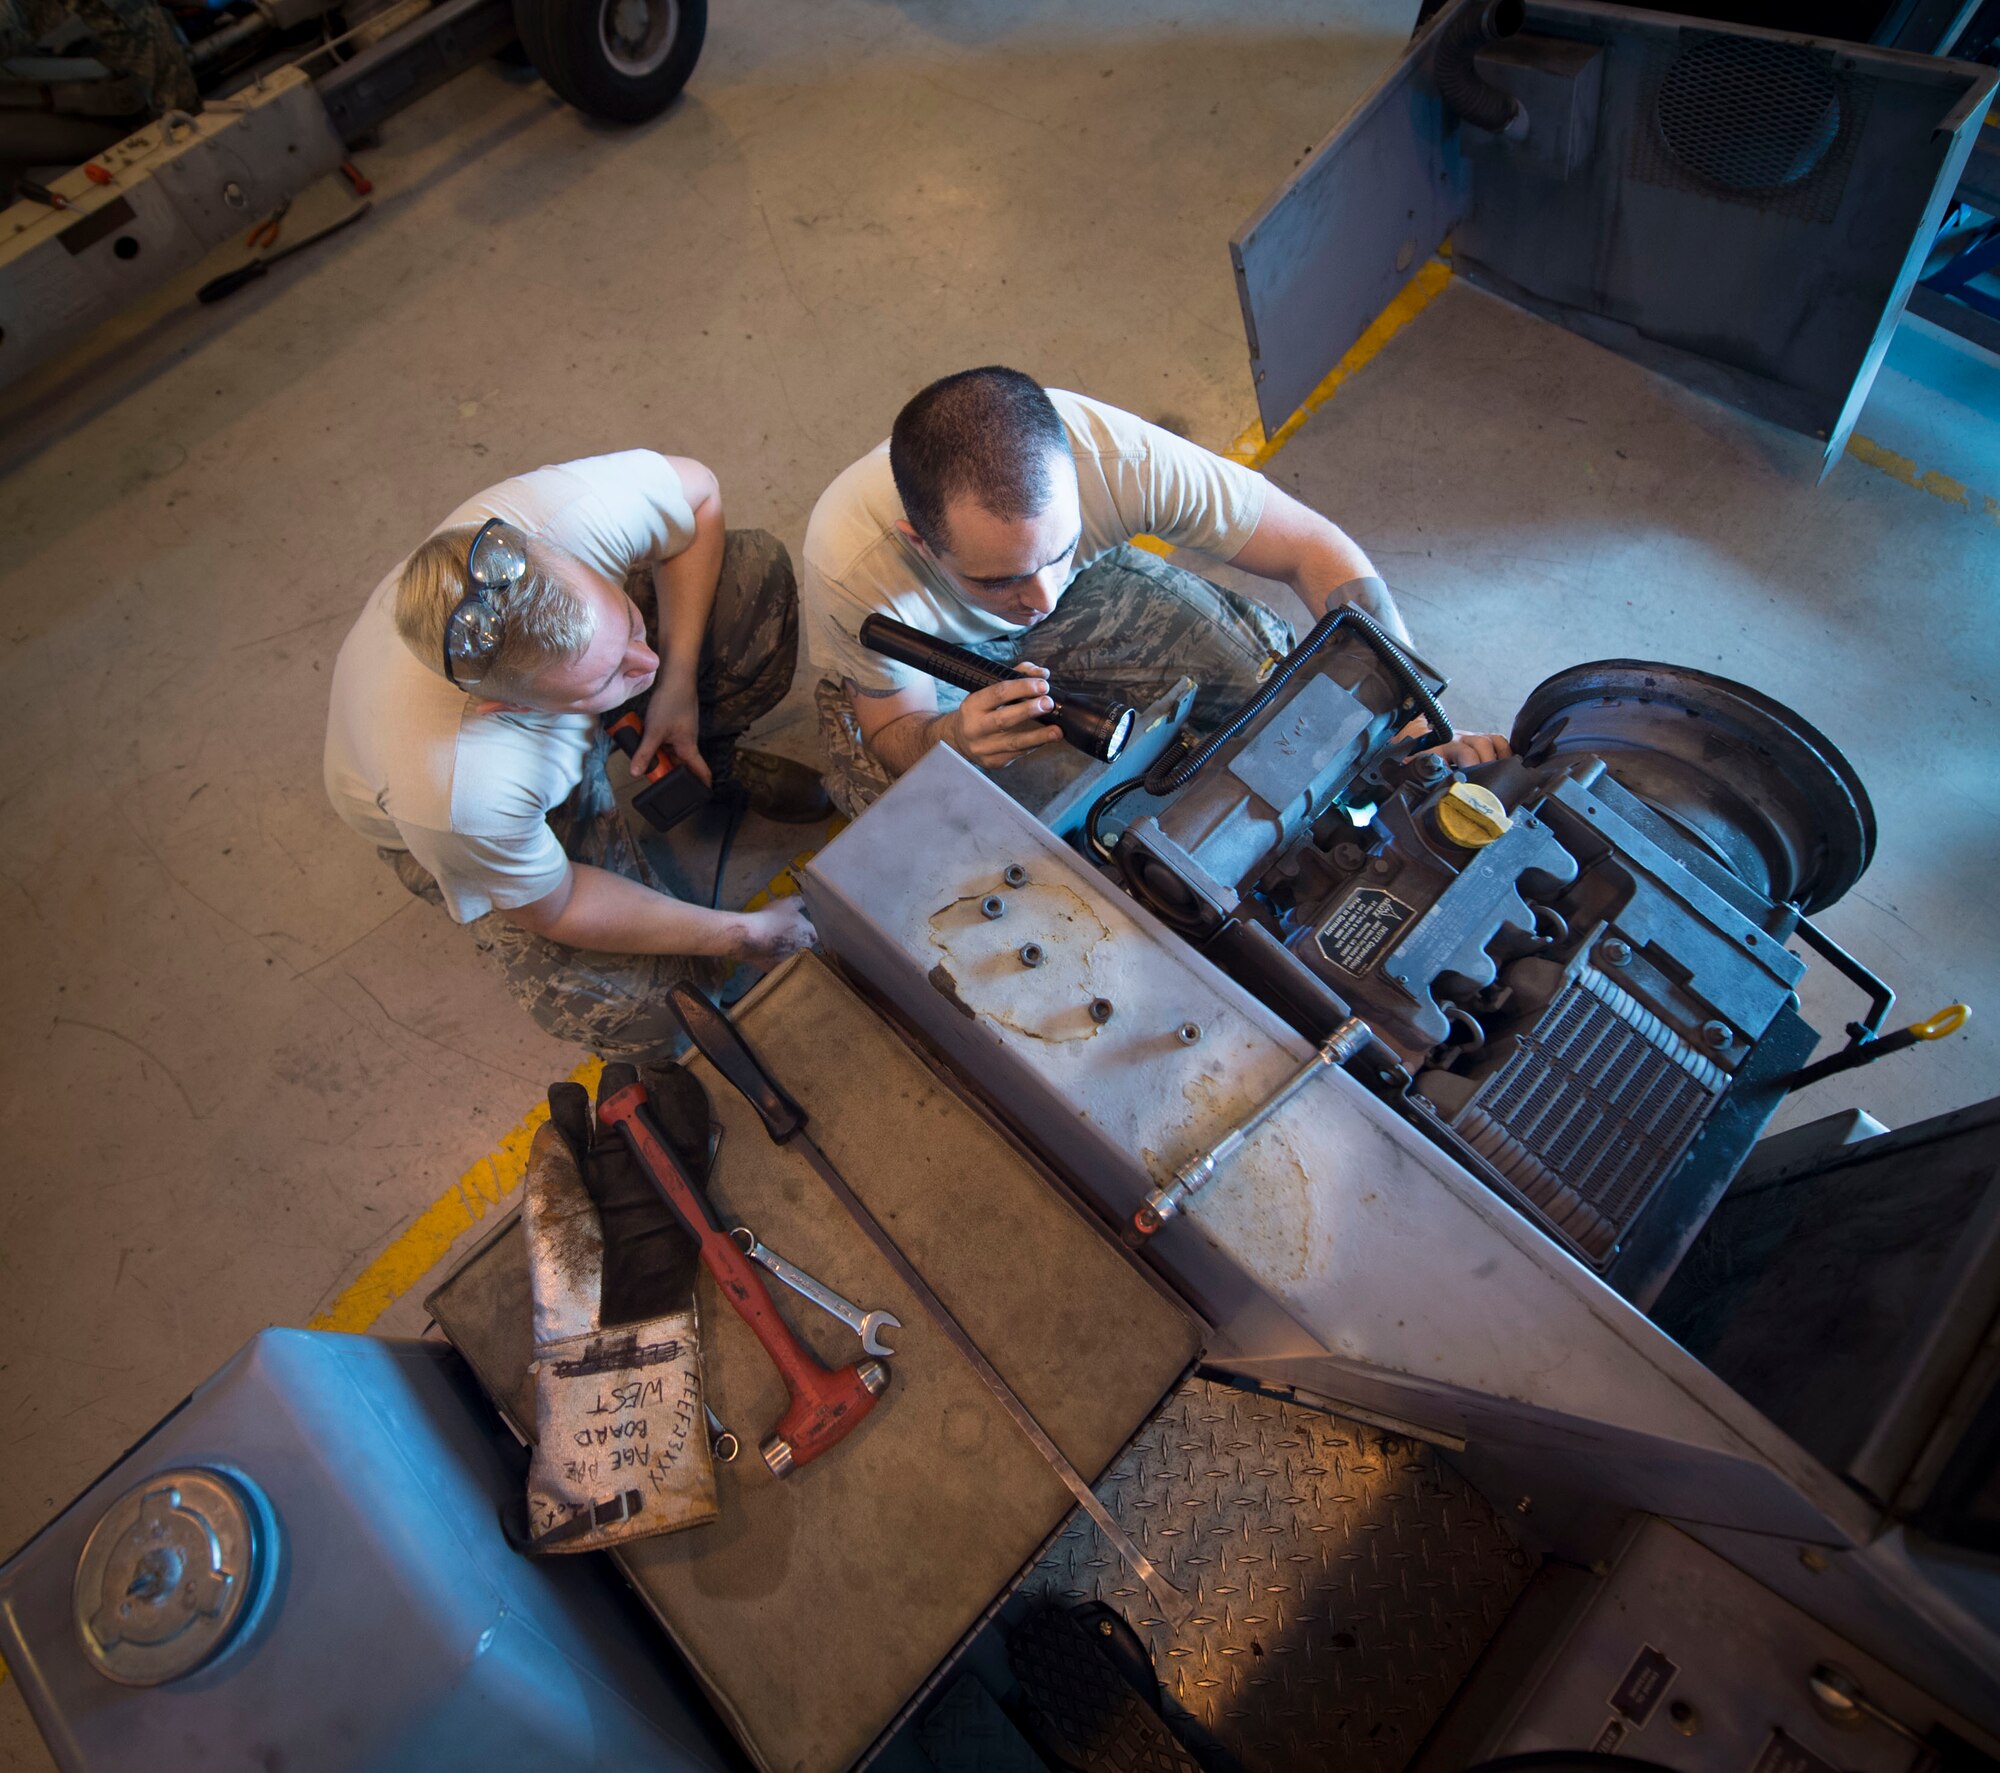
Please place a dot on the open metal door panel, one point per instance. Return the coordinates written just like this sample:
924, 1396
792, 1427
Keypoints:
1751, 214
1324, 256
1742, 210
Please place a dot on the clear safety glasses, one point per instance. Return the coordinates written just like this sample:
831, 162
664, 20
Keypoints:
497, 562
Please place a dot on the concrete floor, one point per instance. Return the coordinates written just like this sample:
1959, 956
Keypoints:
240, 1059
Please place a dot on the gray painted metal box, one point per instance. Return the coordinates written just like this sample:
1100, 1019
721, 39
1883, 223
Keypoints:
381, 1621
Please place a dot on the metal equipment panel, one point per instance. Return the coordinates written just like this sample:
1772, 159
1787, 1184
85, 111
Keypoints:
179, 187
1755, 214
364, 91
371, 1612
1680, 1658
1847, 1295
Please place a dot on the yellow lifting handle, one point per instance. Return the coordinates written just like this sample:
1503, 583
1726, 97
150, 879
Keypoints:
1940, 1023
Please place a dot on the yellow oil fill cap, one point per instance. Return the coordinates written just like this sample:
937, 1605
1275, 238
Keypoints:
1471, 816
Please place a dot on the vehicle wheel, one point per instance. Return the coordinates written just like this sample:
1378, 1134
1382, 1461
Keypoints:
622, 60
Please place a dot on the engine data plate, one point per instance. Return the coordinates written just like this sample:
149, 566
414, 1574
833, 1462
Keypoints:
1362, 925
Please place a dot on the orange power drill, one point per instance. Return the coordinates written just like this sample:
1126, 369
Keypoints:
672, 790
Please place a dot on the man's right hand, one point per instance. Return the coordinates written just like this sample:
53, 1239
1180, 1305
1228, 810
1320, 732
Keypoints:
995, 725
781, 929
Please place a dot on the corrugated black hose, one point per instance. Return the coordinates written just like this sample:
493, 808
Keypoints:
1460, 84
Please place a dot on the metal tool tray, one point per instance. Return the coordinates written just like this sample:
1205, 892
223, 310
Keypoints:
817, 1606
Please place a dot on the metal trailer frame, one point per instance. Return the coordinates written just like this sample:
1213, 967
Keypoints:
185, 183
1342, 1256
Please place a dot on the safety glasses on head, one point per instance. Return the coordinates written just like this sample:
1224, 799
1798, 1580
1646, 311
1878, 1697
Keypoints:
497, 562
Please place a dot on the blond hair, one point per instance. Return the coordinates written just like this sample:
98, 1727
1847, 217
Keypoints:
543, 621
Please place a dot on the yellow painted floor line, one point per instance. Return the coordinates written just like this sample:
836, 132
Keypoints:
1939, 486
785, 882
422, 1244
1253, 449
428, 1238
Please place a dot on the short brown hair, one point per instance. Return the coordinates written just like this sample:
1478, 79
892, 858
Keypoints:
985, 434
544, 622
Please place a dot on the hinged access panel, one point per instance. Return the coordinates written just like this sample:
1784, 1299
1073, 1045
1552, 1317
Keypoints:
1742, 210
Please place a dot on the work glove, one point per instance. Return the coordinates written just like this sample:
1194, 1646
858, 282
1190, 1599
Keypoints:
621, 1446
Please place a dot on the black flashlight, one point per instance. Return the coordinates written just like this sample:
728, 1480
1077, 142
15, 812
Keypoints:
1092, 724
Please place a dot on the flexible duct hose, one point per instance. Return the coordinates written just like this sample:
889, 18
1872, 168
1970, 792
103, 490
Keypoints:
1459, 81
1168, 775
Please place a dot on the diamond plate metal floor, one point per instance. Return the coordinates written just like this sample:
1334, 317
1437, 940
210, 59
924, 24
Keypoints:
1345, 1580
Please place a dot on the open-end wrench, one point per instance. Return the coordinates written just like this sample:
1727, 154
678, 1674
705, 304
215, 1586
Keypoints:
722, 1444
868, 1325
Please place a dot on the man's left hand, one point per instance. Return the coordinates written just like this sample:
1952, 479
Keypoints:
1473, 748
1467, 749
673, 719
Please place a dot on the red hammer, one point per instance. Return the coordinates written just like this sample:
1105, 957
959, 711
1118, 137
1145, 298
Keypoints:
826, 1406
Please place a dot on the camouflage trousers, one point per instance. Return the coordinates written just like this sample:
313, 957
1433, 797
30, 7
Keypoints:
1129, 626
616, 1004
134, 39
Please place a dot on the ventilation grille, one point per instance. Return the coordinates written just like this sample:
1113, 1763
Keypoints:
1596, 1106
1743, 120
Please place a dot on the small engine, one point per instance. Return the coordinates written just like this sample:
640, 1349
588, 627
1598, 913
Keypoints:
1573, 962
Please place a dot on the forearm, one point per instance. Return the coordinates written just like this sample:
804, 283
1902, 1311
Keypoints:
1367, 593
611, 914
1318, 559
684, 586
897, 746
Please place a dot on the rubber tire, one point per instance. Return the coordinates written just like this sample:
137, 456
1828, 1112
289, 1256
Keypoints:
561, 38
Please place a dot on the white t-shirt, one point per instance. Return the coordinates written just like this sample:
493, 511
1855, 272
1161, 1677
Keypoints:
1133, 479
411, 764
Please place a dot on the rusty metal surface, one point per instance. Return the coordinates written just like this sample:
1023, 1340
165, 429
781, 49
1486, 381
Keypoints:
1346, 1580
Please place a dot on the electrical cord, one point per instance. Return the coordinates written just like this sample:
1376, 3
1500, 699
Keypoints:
739, 801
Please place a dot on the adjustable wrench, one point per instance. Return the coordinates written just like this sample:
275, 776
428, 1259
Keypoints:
868, 1325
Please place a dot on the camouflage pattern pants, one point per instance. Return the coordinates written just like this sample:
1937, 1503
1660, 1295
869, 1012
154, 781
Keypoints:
133, 38
616, 1004
1129, 626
